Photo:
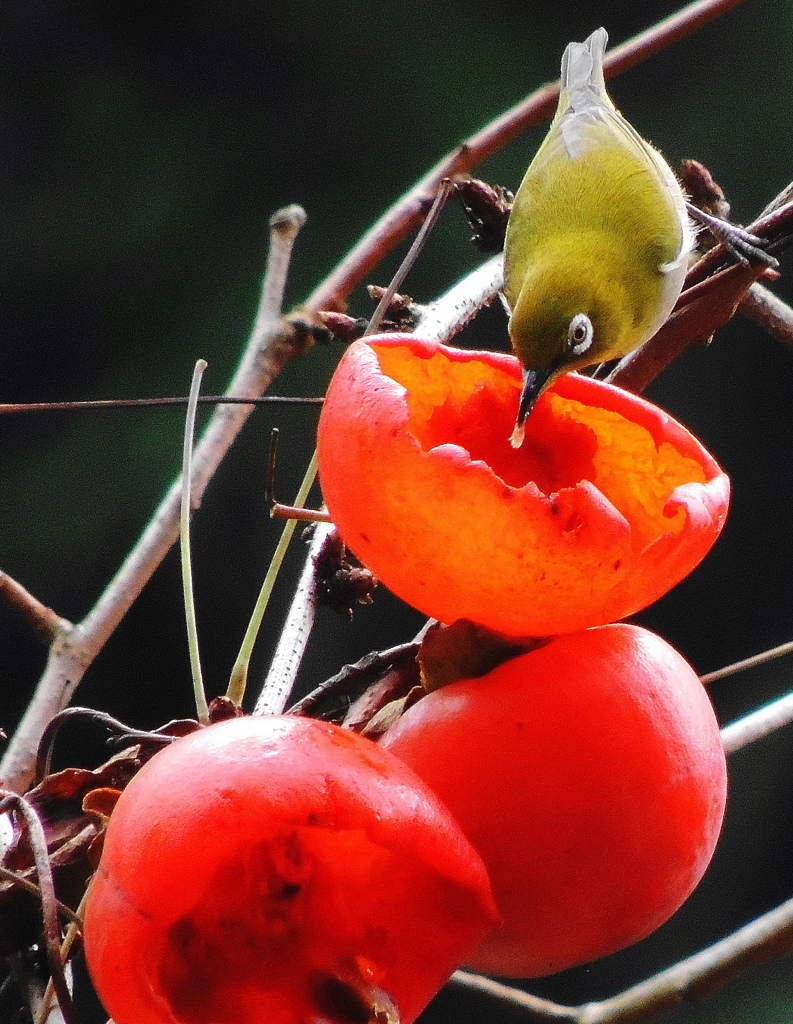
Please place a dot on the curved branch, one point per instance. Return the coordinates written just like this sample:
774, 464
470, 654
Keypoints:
406, 215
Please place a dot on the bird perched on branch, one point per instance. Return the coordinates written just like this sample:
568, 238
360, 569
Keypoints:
598, 239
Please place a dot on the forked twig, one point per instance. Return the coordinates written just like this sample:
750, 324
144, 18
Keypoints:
271, 346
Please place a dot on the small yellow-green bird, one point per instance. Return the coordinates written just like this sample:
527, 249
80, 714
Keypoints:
598, 239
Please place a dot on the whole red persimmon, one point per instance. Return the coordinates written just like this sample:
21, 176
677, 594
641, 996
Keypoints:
283, 870
590, 776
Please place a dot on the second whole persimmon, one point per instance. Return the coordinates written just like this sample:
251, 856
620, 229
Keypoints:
283, 870
590, 776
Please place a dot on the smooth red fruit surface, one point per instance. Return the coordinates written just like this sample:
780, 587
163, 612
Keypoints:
607, 505
283, 870
590, 776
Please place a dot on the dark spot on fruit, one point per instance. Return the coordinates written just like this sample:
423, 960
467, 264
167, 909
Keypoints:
338, 1001
288, 891
183, 933
618, 565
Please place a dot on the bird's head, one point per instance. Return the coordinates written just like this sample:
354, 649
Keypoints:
560, 324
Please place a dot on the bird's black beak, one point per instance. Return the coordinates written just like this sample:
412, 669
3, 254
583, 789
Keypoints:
535, 381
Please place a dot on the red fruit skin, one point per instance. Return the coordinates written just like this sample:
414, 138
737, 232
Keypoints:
590, 776
268, 869
607, 505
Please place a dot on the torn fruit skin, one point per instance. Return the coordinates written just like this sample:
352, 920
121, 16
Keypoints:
280, 869
607, 505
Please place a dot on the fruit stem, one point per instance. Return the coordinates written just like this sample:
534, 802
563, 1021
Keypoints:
202, 710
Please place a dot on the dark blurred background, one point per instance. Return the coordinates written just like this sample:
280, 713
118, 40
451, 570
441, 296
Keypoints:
144, 148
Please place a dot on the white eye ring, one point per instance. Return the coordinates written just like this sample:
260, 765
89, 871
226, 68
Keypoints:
580, 334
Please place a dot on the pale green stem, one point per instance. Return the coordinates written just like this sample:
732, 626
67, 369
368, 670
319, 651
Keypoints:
239, 674
184, 542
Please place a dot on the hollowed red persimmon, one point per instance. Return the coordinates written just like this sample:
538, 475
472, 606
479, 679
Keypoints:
608, 503
283, 870
590, 776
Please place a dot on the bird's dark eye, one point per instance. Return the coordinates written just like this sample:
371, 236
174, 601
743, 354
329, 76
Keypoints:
579, 334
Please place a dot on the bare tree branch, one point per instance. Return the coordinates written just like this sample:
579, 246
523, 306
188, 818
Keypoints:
770, 312
272, 344
44, 620
406, 215
296, 632
766, 937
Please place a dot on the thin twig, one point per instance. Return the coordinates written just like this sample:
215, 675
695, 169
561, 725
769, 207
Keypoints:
277, 509
239, 673
354, 678
758, 724
69, 938
49, 903
33, 889
44, 620
271, 346
96, 405
770, 312
764, 938
444, 187
407, 213
739, 666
